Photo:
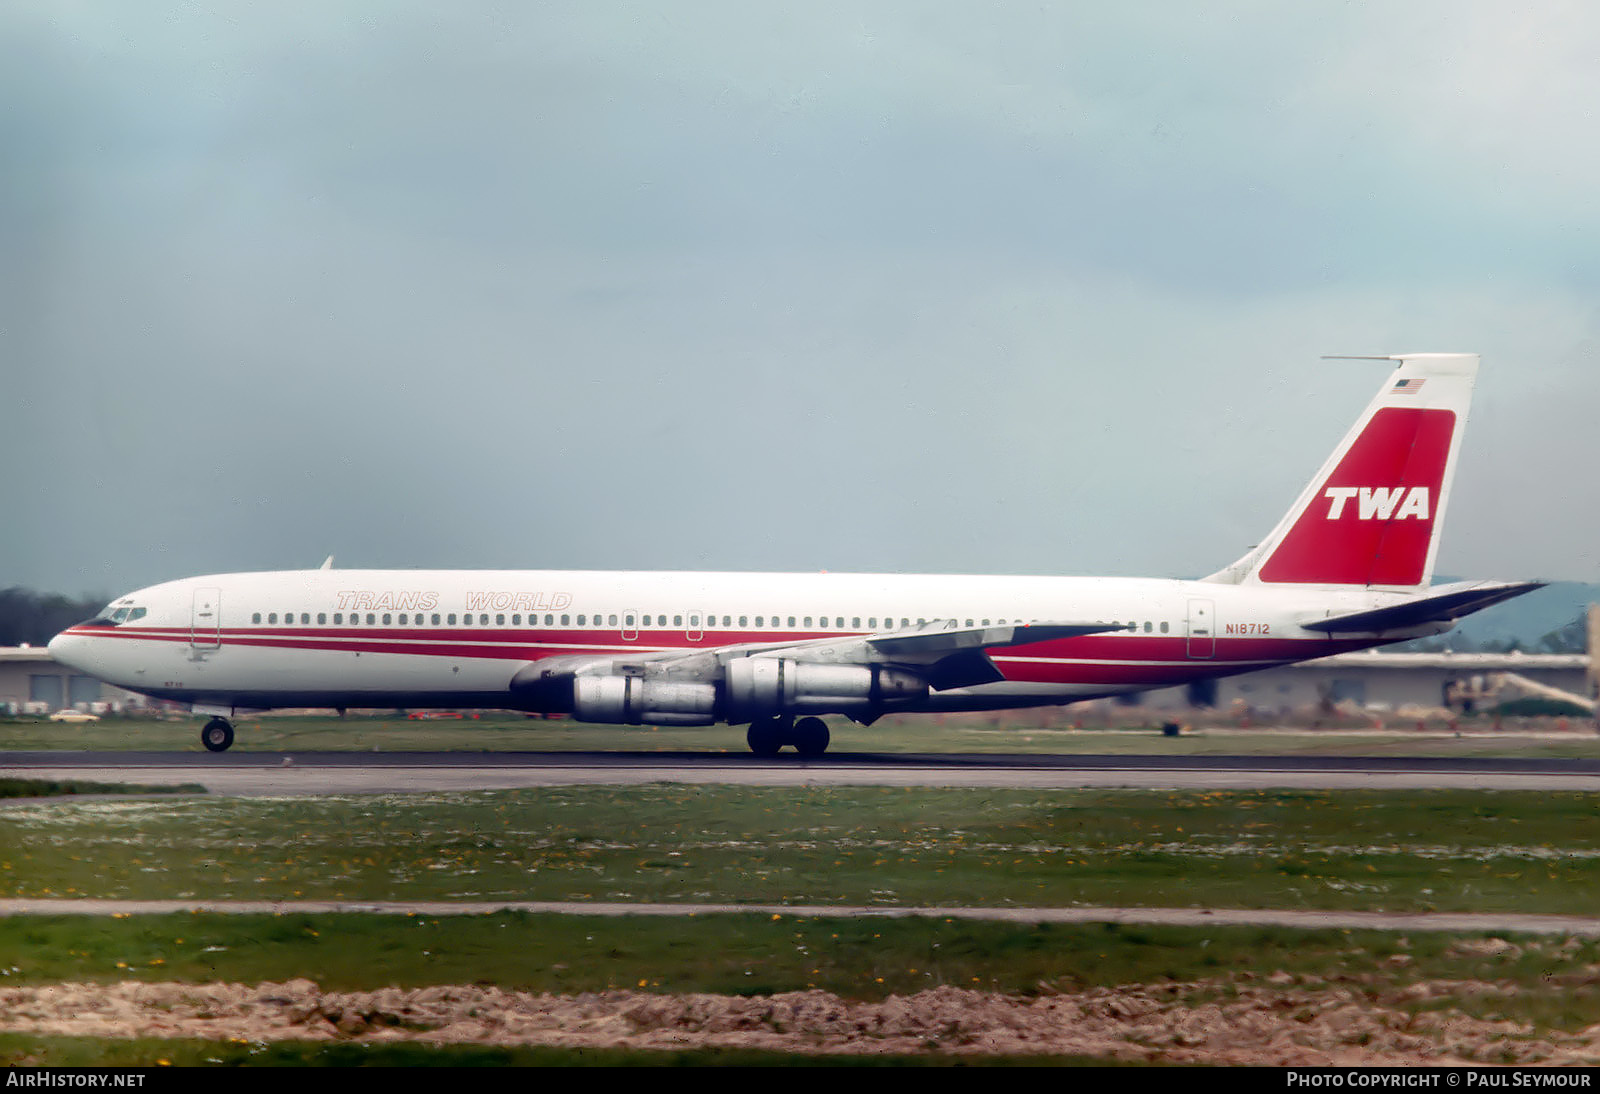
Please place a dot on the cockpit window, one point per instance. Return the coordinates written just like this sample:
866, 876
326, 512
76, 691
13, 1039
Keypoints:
124, 614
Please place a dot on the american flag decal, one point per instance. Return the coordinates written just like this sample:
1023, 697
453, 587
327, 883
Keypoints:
1407, 387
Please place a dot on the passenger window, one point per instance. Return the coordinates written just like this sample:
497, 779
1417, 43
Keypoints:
338, 619
855, 623
256, 618
451, 619
566, 621
466, 620
500, 620
371, 619
677, 621
759, 619
822, 621
1163, 628
385, 619
305, 617
322, 618
581, 619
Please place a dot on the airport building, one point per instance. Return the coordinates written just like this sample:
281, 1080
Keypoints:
31, 681
1380, 681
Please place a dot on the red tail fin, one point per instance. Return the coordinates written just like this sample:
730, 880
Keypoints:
1372, 514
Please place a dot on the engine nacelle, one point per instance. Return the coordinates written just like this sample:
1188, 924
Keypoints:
769, 687
743, 690
633, 700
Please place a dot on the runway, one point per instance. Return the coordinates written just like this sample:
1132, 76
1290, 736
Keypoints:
1521, 923
319, 773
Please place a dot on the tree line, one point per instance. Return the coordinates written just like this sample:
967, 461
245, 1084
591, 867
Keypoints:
35, 618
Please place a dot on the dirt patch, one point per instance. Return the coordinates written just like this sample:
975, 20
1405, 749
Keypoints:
1251, 1024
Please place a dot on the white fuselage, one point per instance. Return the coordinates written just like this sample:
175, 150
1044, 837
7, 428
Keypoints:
418, 638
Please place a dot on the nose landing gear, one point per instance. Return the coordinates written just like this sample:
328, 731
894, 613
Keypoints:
217, 735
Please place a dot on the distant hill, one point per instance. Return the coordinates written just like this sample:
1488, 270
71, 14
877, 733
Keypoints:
1525, 620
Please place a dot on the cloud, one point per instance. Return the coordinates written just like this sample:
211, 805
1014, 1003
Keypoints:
919, 288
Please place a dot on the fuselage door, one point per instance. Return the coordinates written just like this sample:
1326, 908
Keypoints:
1202, 629
630, 625
205, 619
695, 630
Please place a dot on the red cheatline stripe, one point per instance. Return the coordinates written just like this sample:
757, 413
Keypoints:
1140, 648
1174, 667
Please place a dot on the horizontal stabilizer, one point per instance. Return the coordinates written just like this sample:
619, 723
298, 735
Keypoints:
1443, 604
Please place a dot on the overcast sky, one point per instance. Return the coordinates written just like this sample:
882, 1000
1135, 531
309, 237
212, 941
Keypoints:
916, 287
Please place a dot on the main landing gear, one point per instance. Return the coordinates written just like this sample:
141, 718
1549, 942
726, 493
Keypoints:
217, 735
809, 736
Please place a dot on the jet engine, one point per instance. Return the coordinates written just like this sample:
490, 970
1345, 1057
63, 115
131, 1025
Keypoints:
633, 700
770, 687
745, 689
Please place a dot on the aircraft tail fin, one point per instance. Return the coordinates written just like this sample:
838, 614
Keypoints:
1371, 516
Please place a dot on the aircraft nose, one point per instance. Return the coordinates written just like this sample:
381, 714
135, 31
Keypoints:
67, 649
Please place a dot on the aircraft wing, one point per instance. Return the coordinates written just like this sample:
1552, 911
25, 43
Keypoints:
1442, 604
941, 652
945, 654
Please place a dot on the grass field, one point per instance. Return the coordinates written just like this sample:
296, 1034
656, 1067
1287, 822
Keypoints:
1536, 986
759, 954
1365, 850
1360, 850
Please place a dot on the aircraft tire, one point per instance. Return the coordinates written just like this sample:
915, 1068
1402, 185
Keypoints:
810, 736
766, 736
217, 735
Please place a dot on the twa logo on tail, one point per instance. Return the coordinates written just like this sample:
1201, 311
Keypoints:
1378, 528
1372, 515
1379, 503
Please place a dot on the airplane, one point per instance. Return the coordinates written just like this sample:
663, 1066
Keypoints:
1348, 567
